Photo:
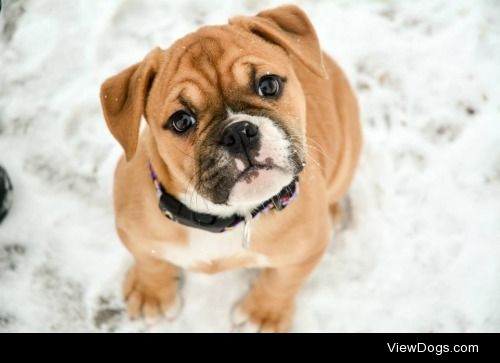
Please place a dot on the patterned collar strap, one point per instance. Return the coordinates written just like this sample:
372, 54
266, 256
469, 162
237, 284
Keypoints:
176, 211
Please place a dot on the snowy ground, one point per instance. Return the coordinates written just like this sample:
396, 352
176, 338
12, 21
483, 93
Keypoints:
423, 251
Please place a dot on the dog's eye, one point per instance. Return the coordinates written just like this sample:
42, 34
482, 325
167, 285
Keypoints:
181, 121
269, 86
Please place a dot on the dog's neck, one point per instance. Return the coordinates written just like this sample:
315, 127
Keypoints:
179, 212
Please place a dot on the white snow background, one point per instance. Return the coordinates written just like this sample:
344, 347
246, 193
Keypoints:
422, 253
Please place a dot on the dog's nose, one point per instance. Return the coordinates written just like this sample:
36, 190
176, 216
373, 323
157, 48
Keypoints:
240, 137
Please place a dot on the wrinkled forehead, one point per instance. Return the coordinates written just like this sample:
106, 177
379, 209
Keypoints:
217, 63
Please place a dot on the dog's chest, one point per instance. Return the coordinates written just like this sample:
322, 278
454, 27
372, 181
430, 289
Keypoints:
214, 252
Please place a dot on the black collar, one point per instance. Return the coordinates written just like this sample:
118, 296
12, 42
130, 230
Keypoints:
180, 213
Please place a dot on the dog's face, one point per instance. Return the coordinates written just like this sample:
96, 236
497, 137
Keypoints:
233, 121
224, 105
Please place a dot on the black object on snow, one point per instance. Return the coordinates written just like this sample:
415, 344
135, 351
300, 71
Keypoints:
5, 193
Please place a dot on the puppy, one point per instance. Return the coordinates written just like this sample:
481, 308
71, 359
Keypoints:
251, 138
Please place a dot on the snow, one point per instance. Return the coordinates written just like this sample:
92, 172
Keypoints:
422, 253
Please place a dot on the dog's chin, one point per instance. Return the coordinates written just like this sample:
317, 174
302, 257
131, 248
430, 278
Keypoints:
256, 185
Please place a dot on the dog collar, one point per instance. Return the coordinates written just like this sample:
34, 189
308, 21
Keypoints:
176, 211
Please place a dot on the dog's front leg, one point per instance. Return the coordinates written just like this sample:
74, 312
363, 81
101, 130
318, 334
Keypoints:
151, 289
269, 305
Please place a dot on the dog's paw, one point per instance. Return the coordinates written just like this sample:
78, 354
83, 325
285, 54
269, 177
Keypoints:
257, 315
151, 303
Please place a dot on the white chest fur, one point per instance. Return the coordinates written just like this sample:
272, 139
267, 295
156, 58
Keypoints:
207, 247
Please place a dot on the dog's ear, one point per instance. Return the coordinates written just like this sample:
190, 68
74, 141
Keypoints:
290, 28
123, 100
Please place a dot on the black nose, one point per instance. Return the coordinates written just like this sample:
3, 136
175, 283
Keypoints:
240, 137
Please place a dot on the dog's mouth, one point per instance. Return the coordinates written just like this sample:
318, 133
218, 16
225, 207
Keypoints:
247, 171
252, 171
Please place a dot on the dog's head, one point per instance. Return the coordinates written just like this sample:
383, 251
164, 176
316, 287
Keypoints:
224, 105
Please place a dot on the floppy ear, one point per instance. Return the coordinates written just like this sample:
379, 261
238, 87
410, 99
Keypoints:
289, 27
123, 99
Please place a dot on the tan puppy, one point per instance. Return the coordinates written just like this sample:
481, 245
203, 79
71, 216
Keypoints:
235, 115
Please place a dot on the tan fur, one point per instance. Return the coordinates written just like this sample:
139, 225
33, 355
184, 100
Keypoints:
293, 240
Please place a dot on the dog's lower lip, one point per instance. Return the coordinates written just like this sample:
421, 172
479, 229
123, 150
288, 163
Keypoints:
252, 168
255, 168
